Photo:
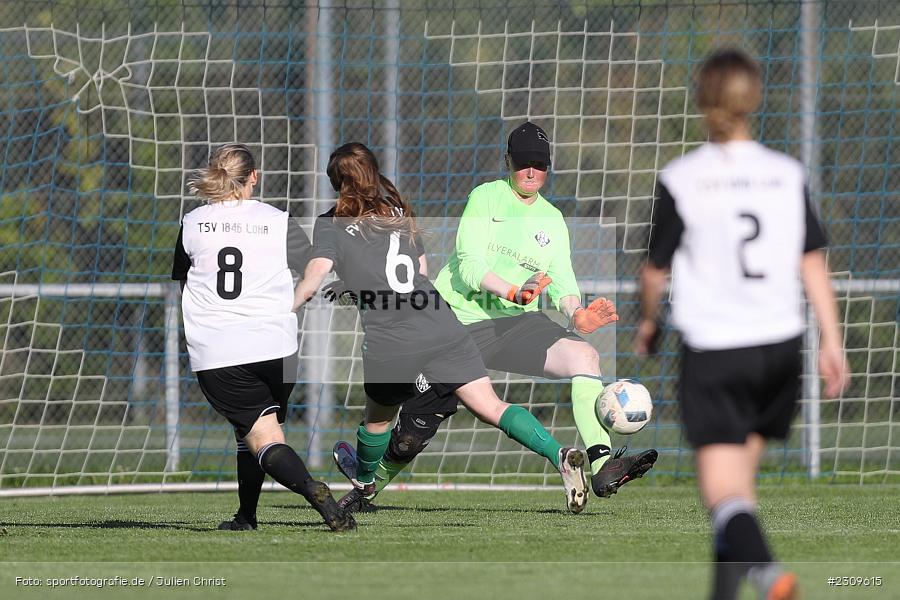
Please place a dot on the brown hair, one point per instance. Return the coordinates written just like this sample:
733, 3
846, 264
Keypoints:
229, 167
364, 193
729, 88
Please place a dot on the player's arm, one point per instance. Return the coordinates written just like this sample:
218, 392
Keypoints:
568, 305
653, 281
419, 246
820, 294
472, 240
323, 254
315, 273
666, 229
566, 296
181, 262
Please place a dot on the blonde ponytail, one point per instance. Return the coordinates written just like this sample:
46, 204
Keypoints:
226, 176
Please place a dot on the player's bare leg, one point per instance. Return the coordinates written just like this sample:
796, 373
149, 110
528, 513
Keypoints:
267, 430
482, 401
726, 475
756, 446
579, 360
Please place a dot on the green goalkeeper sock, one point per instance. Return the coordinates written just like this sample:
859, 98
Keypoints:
585, 391
386, 472
370, 448
522, 426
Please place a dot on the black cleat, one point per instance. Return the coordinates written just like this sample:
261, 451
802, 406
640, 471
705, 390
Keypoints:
619, 470
238, 523
335, 516
355, 501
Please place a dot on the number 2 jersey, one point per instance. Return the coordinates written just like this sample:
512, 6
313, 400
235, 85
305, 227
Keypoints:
237, 258
733, 220
402, 313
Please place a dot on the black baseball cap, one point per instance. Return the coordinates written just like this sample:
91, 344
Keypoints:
527, 144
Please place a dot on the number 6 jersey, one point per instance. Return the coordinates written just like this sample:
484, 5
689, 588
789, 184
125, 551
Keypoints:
739, 217
402, 313
236, 257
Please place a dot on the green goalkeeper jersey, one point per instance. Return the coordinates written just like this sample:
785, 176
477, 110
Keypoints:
500, 233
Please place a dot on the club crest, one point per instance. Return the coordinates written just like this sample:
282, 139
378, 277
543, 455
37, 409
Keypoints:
542, 238
422, 384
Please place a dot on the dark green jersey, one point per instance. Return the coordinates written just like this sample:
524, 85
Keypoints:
401, 311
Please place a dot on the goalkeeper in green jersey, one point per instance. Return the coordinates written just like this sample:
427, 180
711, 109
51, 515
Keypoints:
511, 245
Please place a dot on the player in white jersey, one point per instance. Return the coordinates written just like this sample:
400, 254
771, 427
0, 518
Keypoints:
234, 258
732, 220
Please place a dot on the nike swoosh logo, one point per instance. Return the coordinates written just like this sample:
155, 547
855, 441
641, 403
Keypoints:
496, 220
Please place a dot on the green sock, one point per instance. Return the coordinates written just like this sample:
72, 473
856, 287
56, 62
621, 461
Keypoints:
370, 448
386, 472
585, 391
522, 426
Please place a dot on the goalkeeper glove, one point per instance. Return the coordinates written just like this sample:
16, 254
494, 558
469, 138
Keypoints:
530, 290
337, 291
600, 312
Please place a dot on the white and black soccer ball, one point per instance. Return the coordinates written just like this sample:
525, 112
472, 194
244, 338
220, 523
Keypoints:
625, 407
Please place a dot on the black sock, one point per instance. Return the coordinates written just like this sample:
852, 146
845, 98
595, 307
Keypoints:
597, 452
250, 479
727, 575
282, 463
738, 544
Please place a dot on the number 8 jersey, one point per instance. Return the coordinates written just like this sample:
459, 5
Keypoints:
236, 257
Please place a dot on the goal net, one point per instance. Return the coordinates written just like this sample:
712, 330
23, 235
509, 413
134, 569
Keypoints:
105, 111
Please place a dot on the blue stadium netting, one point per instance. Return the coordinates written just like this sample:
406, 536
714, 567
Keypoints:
106, 108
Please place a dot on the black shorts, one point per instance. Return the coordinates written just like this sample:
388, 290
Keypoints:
516, 344
244, 393
394, 380
727, 394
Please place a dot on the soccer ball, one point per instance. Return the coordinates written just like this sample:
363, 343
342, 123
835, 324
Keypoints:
625, 407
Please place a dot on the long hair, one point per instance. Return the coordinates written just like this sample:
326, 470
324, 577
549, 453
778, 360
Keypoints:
225, 176
365, 194
729, 88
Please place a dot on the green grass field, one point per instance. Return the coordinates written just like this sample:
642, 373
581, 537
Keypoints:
649, 541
